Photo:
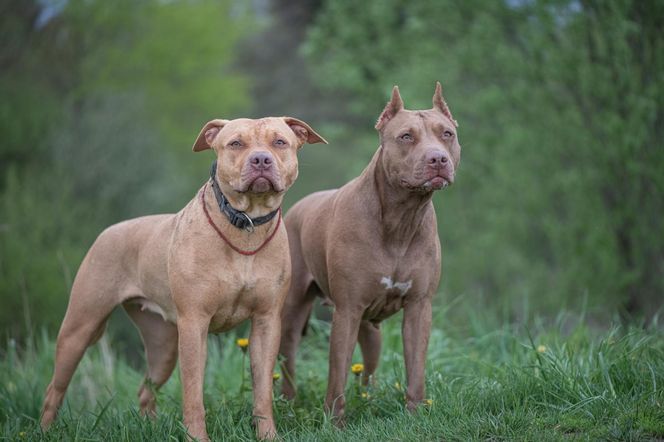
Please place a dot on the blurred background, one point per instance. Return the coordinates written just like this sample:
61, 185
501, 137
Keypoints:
559, 198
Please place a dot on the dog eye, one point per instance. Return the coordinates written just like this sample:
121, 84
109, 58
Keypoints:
279, 142
406, 137
235, 143
448, 134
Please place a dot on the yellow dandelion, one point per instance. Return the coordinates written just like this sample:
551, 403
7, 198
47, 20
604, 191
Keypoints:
21, 434
541, 349
365, 395
242, 343
276, 376
397, 385
357, 369
428, 402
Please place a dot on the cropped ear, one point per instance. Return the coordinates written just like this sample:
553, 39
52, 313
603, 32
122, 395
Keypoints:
207, 134
440, 104
391, 109
303, 131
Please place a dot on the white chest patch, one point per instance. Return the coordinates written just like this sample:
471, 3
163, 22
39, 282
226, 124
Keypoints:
403, 287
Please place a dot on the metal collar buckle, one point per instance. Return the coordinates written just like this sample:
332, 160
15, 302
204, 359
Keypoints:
249, 227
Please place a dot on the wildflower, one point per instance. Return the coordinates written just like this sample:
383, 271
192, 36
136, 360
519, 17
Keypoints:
243, 343
357, 369
365, 395
541, 349
276, 376
428, 402
21, 434
397, 385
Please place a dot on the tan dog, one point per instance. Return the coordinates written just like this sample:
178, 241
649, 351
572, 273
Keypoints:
184, 275
372, 249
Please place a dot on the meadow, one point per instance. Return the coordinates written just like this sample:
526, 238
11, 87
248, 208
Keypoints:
487, 379
551, 233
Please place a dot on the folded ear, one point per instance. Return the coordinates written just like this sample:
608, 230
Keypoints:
440, 104
303, 131
207, 134
391, 109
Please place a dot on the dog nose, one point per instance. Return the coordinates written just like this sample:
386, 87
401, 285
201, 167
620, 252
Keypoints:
261, 160
436, 158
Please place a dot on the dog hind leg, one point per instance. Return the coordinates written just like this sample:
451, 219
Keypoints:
370, 343
83, 325
295, 316
160, 339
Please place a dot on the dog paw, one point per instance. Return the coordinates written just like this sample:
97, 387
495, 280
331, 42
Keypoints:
197, 432
266, 431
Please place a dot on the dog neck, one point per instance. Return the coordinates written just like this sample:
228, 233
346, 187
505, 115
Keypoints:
237, 218
243, 241
401, 211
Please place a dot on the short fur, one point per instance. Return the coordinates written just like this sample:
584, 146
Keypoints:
178, 280
372, 249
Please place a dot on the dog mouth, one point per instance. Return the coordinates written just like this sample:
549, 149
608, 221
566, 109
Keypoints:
437, 182
261, 183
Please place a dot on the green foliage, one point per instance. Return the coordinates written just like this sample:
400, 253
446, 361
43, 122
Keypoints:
176, 58
486, 380
40, 244
560, 193
100, 109
560, 190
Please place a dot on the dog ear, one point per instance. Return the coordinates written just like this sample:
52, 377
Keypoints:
207, 134
303, 131
391, 109
440, 104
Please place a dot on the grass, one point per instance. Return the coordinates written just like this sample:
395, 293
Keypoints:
487, 380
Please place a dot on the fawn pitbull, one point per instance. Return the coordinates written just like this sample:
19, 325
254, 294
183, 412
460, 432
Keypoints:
220, 260
372, 248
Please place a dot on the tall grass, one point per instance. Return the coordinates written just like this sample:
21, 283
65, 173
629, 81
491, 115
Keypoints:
488, 379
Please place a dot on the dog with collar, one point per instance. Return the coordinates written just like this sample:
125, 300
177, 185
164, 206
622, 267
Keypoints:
222, 259
371, 248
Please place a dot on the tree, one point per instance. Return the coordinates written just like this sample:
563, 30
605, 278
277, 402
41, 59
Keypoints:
101, 105
561, 189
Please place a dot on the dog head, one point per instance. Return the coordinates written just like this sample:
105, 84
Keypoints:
421, 148
256, 159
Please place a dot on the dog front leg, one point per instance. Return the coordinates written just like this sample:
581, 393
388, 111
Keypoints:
263, 349
345, 326
416, 329
192, 334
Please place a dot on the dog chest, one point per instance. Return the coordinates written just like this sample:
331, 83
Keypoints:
389, 295
394, 282
244, 289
